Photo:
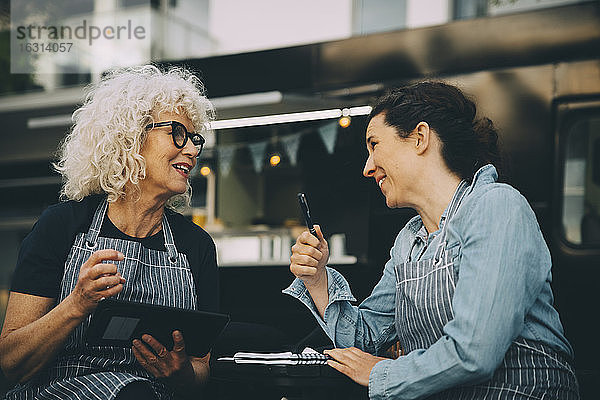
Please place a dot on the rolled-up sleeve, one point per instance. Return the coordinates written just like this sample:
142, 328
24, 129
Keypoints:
369, 326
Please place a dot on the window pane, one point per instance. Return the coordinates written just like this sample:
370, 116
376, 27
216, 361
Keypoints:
581, 191
464, 9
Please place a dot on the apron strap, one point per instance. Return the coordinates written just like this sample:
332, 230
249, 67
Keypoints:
169, 242
459, 194
92, 233
461, 191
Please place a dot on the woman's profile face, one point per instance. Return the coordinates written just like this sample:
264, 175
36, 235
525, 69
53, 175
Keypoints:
167, 167
390, 161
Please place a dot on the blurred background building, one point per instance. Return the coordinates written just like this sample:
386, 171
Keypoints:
533, 66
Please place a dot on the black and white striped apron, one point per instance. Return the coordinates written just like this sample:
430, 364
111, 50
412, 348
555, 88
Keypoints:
424, 291
100, 372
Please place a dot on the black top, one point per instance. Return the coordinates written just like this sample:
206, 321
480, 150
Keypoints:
44, 251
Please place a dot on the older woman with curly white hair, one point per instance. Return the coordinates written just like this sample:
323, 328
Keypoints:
125, 164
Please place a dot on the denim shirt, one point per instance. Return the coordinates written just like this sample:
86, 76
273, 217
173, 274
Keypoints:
503, 292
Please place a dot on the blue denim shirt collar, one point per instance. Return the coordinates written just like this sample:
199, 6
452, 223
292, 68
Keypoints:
484, 175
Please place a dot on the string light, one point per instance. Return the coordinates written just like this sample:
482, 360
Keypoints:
274, 160
205, 171
344, 121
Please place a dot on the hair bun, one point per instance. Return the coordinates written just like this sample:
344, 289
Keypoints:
470, 112
485, 131
487, 136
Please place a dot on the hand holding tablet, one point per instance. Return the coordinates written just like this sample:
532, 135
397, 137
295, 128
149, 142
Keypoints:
118, 323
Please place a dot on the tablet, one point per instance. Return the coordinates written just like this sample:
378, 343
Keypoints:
118, 322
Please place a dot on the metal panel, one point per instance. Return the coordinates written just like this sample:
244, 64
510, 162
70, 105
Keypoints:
577, 78
521, 39
538, 37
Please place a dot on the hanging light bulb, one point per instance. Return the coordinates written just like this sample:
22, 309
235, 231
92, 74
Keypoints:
205, 170
274, 160
344, 121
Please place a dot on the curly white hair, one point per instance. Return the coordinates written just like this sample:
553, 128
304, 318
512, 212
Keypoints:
101, 153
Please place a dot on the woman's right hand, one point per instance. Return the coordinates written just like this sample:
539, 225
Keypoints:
309, 257
35, 328
97, 280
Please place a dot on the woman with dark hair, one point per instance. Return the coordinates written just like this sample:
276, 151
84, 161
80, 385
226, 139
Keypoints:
466, 291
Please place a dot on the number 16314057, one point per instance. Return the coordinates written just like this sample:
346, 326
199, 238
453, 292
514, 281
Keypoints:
38, 47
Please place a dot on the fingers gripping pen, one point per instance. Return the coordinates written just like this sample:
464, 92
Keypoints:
306, 213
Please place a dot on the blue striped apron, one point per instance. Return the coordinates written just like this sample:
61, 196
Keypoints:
100, 372
424, 291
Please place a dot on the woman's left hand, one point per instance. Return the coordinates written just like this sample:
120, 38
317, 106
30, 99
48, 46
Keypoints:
162, 363
353, 362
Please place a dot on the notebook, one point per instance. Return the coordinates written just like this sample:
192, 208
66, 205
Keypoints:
308, 356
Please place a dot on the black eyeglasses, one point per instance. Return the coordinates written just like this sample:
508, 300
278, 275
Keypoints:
180, 134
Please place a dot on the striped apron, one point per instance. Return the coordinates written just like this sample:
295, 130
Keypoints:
100, 372
424, 291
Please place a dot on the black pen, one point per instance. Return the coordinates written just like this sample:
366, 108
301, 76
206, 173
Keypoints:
306, 213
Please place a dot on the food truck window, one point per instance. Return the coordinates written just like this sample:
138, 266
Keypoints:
581, 185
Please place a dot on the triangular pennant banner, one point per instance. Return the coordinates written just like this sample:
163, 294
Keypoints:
291, 144
328, 134
257, 151
226, 154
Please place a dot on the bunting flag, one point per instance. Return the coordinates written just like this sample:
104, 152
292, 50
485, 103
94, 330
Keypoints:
291, 144
225, 154
328, 133
257, 151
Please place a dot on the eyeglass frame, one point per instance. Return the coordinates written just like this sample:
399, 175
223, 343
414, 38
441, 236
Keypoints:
188, 135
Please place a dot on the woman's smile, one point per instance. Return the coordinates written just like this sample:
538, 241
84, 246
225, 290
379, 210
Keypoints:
183, 169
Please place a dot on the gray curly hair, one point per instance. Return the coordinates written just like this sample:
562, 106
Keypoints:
101, 153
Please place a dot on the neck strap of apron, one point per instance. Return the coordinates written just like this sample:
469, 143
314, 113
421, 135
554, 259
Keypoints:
92, 234
459, 194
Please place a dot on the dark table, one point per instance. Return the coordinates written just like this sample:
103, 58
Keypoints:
256, 381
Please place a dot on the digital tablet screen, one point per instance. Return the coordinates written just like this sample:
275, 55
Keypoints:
118, 322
